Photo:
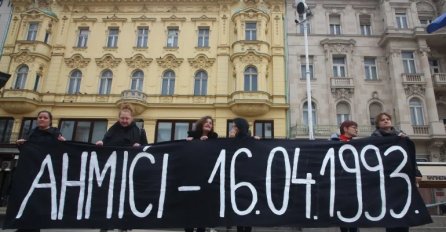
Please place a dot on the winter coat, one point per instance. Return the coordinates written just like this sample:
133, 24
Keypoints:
118, 135
198, 134
382, 133
37, 135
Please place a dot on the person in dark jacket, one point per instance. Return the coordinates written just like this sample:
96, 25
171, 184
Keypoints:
384, 128
204, 130
383, 124
349, 130
124, 132
240, 130
44, 133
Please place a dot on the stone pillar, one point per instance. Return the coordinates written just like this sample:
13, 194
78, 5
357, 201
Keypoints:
401, 115
435, 150
436, 127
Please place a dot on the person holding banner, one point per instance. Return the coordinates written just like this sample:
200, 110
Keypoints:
204, 130
240, 130
124, 132
384, 128
349, 130
44, 132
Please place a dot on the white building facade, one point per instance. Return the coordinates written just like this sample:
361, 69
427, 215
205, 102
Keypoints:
367, 57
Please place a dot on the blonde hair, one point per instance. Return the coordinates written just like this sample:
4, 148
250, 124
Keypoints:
126, 107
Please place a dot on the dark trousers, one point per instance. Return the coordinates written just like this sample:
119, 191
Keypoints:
347, 229
244, 229
398, 229
192, 229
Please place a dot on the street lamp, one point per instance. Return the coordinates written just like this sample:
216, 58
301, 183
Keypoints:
303, 9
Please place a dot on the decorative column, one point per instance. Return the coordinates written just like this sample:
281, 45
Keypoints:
436, 127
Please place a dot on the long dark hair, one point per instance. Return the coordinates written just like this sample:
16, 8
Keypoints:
200, 122
243, 127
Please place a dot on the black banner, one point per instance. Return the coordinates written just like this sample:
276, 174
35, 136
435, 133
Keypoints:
366, 183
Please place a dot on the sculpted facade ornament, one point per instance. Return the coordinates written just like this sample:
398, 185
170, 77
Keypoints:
414, 89
138, 61
169, 61
108, 61
340, 93
338, 45
251, 58
201, 61
77, 61
23, 57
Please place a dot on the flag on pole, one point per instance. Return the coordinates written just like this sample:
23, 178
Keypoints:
437, 23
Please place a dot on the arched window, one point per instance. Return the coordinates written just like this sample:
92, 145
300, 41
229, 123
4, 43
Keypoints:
137, 80
168, 83
251, 79
22, 73
201, 83
74, 82
342, 112
416, 112
105, 82
305, 113
374, 109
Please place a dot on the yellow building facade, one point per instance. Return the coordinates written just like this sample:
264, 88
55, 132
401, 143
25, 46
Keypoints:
173, 61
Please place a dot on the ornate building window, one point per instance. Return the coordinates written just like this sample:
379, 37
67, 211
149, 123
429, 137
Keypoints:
335, 24
83, 130
172, 37
168, 85
339, 66
416, 112
401, 18
82, 38
250, 79
105, 82
365, 25
251, 31
142, 37
6, 125
169, 130
434, 65
342, 112
305, 113
22, 74
32, 31
201, 82
408, 62
264, 129
303, 67
375, 108
370, 68
75, 82
203, 37
137, 80
112, 41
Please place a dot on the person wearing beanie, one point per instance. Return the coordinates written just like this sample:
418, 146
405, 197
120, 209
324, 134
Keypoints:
240, 130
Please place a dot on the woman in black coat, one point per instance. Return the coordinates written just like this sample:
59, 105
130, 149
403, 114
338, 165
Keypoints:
43, 133
204, 130
124, 132
384, 128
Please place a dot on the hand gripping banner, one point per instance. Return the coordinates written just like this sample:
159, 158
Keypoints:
365, 183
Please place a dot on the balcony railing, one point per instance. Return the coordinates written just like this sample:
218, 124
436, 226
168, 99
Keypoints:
413, 78
325, 131
133, 95
341, 82
420, 130
439, 78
